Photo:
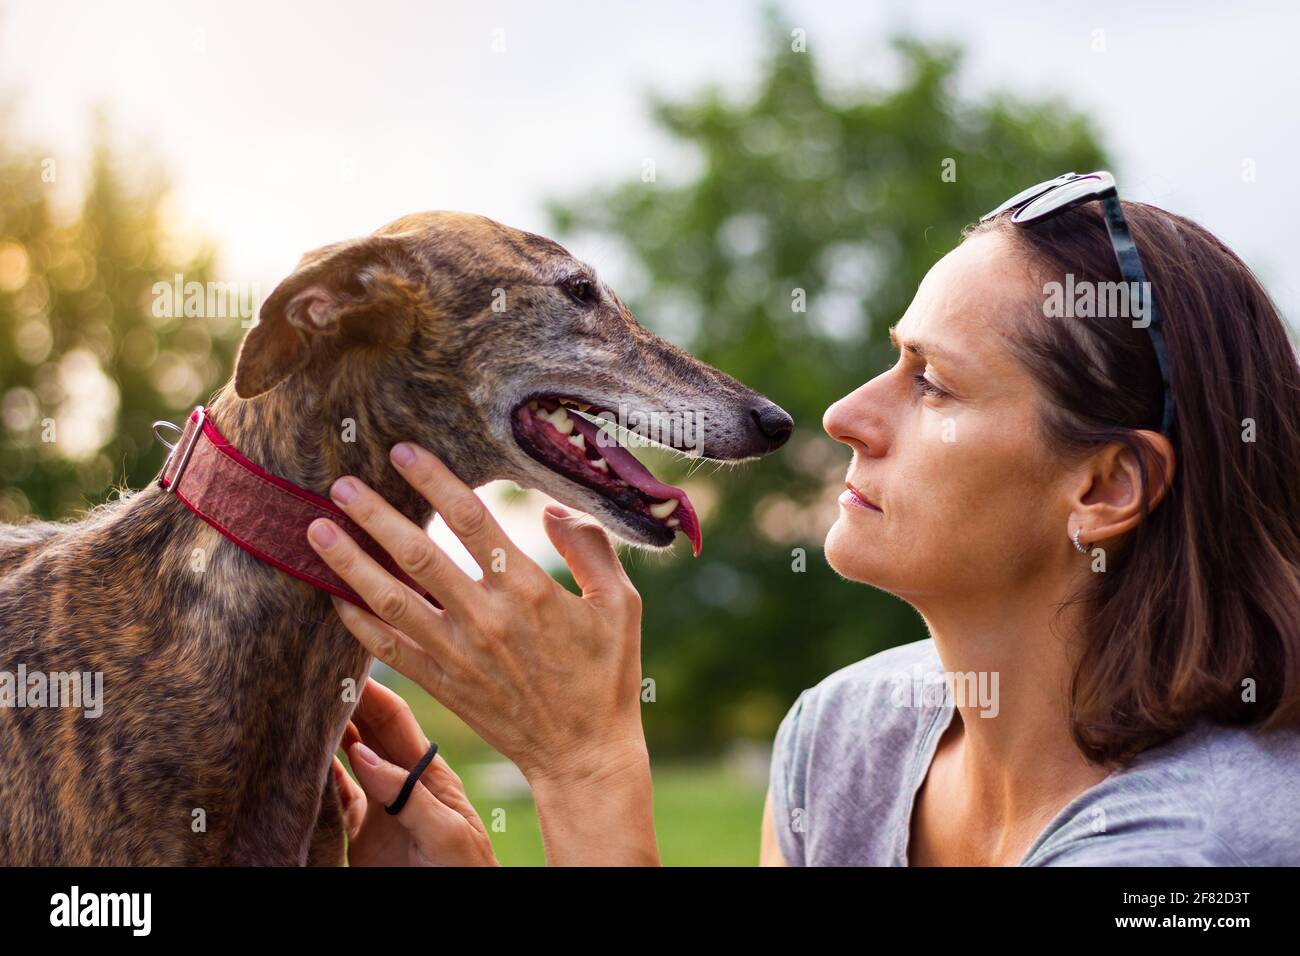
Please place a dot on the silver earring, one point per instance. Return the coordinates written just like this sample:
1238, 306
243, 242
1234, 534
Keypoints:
1077, 546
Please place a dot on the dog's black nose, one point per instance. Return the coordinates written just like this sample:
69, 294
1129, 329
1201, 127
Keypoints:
774, 424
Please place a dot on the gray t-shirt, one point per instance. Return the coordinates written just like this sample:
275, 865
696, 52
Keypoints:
852, 752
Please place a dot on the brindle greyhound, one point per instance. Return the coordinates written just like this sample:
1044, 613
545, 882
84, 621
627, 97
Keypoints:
221, 688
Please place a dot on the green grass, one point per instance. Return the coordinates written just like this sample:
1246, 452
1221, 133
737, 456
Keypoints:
706, 813
704, 816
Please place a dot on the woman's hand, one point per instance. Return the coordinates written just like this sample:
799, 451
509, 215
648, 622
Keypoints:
550, 679
438, 825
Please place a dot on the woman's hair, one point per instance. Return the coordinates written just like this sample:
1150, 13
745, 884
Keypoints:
1199, 615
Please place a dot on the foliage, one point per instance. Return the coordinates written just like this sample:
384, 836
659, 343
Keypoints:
85, 365
841, 194
835, 195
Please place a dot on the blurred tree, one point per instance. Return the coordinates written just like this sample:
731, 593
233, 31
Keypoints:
844, 201
90, 353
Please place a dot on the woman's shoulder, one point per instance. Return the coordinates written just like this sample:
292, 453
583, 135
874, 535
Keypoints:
845, 754
898, 676
1213, 796
890, 693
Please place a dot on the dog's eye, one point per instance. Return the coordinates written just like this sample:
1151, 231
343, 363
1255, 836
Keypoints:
582, 291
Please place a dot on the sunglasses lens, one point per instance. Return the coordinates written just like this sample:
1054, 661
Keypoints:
1080, 189
1025, 195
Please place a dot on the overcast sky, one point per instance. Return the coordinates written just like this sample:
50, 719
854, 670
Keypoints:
286, 126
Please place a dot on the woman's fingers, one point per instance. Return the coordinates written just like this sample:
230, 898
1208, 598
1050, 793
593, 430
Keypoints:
464, 512
388, 725
439, 834
383, 780
396, 648
350, 736
586, 549
390, 598
409, 545
352, 798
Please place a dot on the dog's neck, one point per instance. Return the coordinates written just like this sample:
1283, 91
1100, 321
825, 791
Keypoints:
310, 438
272, 640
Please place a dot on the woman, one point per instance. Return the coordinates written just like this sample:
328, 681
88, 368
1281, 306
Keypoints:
1093, 501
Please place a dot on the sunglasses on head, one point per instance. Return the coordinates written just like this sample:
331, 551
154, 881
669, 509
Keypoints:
1055, 196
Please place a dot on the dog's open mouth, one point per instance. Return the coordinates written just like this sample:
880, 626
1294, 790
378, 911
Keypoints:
589, 455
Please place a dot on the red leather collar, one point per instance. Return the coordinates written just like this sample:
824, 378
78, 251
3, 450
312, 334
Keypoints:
263, 513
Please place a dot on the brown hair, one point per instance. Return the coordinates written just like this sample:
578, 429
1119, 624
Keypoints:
1205, 594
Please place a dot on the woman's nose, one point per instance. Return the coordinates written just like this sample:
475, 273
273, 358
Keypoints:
855, 420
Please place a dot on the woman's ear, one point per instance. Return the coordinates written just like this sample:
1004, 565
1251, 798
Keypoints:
1109, 500
367, 289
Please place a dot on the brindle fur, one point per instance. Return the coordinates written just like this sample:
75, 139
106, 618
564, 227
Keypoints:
223, 689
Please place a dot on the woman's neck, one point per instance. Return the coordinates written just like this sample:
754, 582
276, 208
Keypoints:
1009, 660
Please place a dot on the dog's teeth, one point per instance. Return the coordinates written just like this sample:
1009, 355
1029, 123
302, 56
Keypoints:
672, 522
663, 509
600, 464
561, 420
578, 441
580, 406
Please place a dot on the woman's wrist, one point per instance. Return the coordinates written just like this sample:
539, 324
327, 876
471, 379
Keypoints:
599, 812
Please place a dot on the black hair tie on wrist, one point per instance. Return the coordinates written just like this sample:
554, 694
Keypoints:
412, 778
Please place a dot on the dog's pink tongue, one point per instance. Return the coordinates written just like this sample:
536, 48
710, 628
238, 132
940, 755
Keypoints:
638, 476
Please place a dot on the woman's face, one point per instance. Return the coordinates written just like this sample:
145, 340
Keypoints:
967, 500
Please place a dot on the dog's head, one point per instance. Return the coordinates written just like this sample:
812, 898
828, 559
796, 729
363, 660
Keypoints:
502, 353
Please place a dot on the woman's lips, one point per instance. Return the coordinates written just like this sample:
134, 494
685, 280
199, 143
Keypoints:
856, 498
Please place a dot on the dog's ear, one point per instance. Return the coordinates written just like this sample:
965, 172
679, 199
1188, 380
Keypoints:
365, 291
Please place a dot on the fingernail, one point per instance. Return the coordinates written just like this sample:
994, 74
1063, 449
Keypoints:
403, 455
322, 532
558, 511
364, 754
343, 491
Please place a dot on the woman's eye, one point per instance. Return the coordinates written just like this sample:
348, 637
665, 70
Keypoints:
927, 387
